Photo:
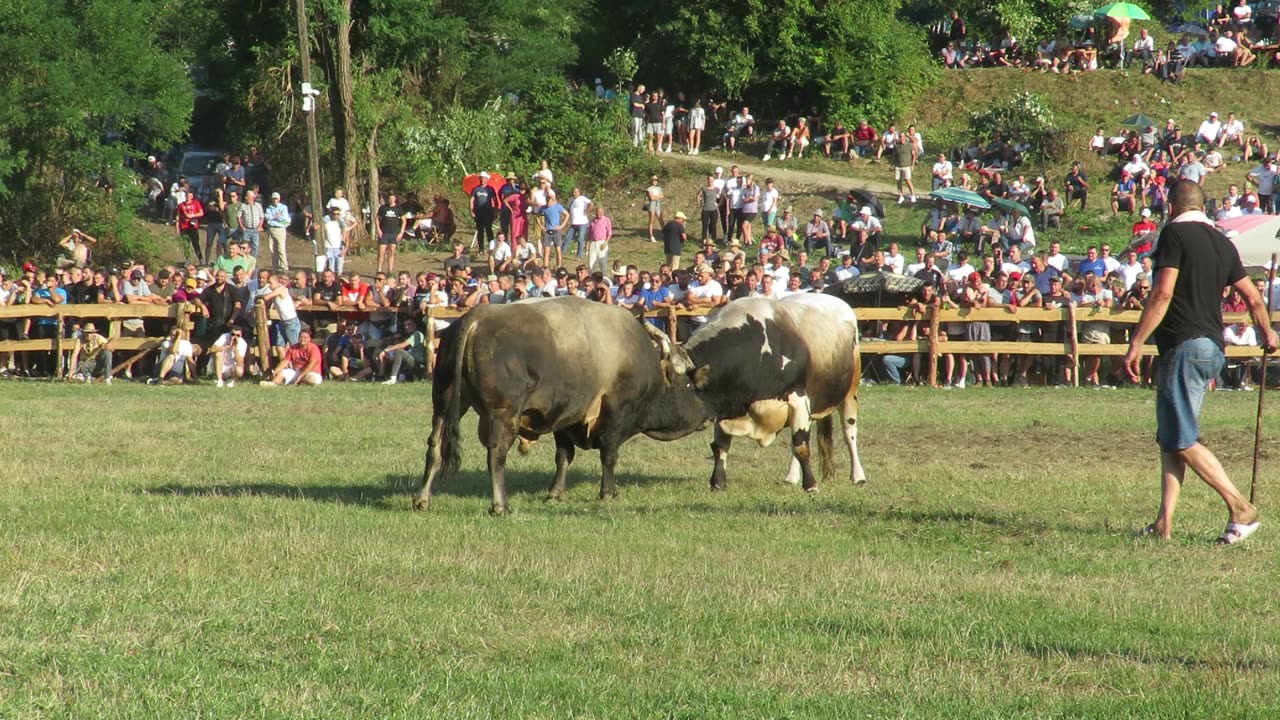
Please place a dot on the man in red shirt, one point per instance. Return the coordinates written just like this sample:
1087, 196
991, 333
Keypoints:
300, 364
864, 139
189, 213
355, 294
1144, 226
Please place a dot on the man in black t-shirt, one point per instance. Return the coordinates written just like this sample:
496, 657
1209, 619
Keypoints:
673, 239
1077, 185
1193, 263
654, 107
637, 116
391, 226
484, 208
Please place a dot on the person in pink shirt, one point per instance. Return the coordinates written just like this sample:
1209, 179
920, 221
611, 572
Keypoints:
599, 233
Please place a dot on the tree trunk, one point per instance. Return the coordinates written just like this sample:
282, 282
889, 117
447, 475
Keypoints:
373, 181
345, 125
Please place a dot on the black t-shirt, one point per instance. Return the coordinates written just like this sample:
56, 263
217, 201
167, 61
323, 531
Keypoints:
220, 303
389, 219
241, 295
673, 237
484, 197
928, 274
637, 105
653, 112
1077, 181
329, 292
1206, 262
450, 263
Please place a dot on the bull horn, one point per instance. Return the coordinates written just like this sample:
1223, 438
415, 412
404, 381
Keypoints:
667, 349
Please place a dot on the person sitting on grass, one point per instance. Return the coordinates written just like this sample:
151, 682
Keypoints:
407, 354
353, 361
91, 356
300, 364
177, 359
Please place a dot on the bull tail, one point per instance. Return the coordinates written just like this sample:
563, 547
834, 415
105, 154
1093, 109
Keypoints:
825, 430
450, 445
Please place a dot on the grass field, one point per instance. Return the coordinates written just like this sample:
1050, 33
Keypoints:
190, 553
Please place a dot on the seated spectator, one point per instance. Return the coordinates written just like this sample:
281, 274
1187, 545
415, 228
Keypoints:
353, 361
942, 172
969, 228
407, 354
839, 138
300, 364
177, 360
1144, 49
90, 356
798, 141
866, 228
1020, 233
1077, 186
228, 353
501, 257
741, 125
865, 139
1254, 148
1124, 194
778, 140
1225, 48
818, 234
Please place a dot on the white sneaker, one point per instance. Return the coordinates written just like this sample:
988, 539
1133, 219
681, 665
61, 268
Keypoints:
960, 384
108, 379
913, 199
765, 158
231, 383
389, 381
900, 199
219, 384
266, 383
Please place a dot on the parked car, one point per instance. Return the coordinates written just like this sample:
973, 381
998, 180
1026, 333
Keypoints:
199, 168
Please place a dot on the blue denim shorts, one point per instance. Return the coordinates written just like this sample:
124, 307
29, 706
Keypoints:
287, 332
1184, 376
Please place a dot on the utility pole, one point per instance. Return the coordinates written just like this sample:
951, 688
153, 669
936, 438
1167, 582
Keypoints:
309, 95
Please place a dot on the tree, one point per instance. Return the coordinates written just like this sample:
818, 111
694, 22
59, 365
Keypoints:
77, 95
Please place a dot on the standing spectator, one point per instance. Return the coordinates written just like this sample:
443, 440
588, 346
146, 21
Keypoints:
300, 364
410, 352
188, 226
673, 239
653, 205
1263, 179
709, 200
337, 234
579, 220
233, 178
1194, 262
556, 219
769, 197
750, 208
278, 221
636, 103
697, 124
484, 209
600, 233
215, 226
904, 158
392, 221
250, 220
289, 328
653, 111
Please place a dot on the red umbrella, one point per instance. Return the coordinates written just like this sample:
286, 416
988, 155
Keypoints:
471, 182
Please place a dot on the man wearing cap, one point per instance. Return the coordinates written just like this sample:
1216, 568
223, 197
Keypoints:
818, 234
251, 219
867, 230
278, 220
392, 222
705, 293
673, 239
1193, 262
91, 356
1210, 131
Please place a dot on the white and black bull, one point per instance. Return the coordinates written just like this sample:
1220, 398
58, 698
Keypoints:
771, 364
589, 374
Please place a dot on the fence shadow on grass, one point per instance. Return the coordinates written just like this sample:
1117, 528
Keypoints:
1053, 651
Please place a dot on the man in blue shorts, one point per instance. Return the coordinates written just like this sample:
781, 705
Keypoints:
1193, 263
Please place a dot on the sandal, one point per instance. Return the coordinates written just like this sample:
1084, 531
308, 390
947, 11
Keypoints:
1237, 532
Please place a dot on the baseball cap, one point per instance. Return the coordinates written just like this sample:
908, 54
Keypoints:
484, 173
719, 170
562, 273
1146, 212
1015, 276
191, 282
151, 158
137, 275
1213, 114
29, 267
681, 216
975, 276
203, 275
818, 212
490, 277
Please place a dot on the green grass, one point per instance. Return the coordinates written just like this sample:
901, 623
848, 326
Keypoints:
183, 552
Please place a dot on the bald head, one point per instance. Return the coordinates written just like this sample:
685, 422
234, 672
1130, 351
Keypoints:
1186, 196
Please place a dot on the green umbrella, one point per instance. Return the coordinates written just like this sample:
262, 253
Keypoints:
1138, 121
1122, 10
961, 196
1008, 205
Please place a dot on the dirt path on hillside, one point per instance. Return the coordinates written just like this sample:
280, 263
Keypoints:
785, 176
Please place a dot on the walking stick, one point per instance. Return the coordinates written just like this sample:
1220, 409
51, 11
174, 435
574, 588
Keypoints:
1262, 388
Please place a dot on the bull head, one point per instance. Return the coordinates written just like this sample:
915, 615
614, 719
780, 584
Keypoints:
668, 350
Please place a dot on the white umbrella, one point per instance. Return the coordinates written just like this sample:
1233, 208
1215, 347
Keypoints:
1254, 237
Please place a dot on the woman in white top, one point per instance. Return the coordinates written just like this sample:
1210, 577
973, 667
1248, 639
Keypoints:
544, 171
654, 194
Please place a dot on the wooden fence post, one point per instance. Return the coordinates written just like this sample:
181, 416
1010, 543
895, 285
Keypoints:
673, 321
429, 333
59, 327
264, 347
934, 324
1073, 338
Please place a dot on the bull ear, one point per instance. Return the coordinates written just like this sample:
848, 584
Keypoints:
700, 377
668, 371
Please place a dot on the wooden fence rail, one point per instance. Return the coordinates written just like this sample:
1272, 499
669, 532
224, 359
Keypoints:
113, 315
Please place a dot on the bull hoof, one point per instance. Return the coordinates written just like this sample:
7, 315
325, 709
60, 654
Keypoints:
812, 490
554, 497
608, 497
421, 503
499, 510
719, 488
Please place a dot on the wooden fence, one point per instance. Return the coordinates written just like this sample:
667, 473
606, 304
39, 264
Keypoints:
113, 315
